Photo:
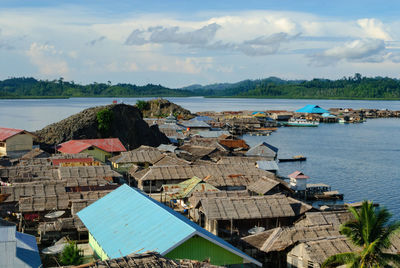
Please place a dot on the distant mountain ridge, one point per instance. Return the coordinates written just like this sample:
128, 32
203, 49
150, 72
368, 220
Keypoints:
354, 87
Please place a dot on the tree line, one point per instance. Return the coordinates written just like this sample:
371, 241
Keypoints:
353, 87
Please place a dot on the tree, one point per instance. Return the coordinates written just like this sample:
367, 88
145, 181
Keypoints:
104, 120
71, 255
142, 105
371, 231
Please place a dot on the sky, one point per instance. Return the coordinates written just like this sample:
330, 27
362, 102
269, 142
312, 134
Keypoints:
180, 43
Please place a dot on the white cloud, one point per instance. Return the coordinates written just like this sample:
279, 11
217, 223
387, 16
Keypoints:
365, 50
374, 28
48, 60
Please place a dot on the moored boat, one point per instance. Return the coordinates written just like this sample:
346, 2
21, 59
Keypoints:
300, 122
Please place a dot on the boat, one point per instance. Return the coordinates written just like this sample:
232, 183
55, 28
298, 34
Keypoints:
300, 122
293, 159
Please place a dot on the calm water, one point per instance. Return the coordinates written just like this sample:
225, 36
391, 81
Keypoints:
359, 160
36, 114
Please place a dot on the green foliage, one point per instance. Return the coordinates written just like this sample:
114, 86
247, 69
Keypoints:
371, 232
142, 105
71, 255
104, 119
355, 87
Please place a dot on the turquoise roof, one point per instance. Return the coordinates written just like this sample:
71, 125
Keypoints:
312, 109
126, 221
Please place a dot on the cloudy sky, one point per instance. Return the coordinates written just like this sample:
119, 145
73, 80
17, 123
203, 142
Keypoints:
178, 43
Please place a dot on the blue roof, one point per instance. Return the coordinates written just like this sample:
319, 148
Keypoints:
149, 225
27, 249
328, 115
312, 109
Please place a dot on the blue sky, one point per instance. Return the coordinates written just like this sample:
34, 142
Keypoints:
178, 43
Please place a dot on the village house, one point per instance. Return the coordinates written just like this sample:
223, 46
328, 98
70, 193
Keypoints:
150, 260
266, 185
17, 249
15, 142
270, 165
235, 216
100, 149
265, 150
221, 176
139, 224
182, 191
271, 246
144, 156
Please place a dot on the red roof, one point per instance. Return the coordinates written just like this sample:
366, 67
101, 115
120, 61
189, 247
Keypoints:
57, 162
77, 146
298, 175
6, 133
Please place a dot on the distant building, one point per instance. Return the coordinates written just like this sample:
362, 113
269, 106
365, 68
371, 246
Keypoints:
100, 149
15, 142
17, 249
127, 220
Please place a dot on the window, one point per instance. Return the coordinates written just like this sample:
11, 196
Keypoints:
2, 144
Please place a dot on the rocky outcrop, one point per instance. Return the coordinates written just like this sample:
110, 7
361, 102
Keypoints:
163, 108
127, 125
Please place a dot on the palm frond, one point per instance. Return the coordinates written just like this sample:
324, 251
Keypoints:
340, 259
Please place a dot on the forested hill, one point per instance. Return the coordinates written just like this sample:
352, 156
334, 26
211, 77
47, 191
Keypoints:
30, 87
355, 87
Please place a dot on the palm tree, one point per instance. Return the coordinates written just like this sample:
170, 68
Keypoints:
371, 231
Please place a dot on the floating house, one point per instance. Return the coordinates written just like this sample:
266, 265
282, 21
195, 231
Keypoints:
298, 181
15, 142
264, 150
312, 109
128, 221
17, 249
100, 149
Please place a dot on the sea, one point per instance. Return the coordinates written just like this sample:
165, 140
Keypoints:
359, 160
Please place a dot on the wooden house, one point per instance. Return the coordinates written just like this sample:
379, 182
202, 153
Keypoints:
235, 216
139, 224
185, 189
15, 142
271, 246
222, 176
265, 150
100, 149
144, 156
267, 185
150, 260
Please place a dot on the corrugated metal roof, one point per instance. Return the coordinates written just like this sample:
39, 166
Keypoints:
6, 133
267, 165
77, 146
57, 162
149, 225
195, 123
212, 134
27, 249
312, 109
262, 149
298, 175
